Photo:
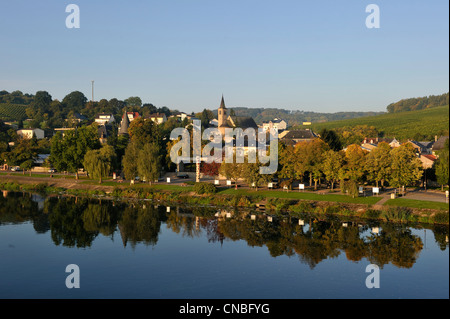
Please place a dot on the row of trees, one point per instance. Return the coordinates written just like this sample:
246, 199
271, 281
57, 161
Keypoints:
318, 162
420, 103
352, 167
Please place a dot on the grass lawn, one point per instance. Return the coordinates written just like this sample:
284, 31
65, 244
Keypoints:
302, 195
414, 203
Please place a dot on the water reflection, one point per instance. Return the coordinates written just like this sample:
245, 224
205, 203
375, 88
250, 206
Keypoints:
76, 222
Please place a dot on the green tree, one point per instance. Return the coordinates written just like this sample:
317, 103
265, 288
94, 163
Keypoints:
406, 167
232, 171
442, 163
309, 157
67, 153
133, 101
149, 162
74, 101
98, 163
332, 163
23, 154
129, 160
378, 163
287, 162
331, 138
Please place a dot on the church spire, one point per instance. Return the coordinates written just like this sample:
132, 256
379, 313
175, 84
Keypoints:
124, 124
222, 104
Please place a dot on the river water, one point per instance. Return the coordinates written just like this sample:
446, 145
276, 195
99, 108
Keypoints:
143, 250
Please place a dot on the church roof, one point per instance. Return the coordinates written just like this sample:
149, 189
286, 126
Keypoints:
123, 129
243, 122
222, 104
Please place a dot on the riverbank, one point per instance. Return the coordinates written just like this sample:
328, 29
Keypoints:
275, 202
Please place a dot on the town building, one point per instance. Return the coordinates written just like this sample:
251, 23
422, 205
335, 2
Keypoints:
104, 119
297, 136
158, 118
30, 133
438, 144
427, 160
277, 124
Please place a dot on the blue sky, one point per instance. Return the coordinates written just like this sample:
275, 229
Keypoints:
301, 55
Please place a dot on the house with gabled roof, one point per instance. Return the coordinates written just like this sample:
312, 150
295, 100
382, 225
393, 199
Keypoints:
296, 136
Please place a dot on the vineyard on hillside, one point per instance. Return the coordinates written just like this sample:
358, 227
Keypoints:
422, 124
12, 112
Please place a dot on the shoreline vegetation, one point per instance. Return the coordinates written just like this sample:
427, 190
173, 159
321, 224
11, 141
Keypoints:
273, 202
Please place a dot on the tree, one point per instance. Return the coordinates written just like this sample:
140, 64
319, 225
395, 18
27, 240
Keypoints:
145, 131
210, 169
67, 153
23, 154
378, 163
129, 160
331, 138
205, 117
331, 165
74, 101
309, 157
355, 162
98, 163
287, 161
251, 173
406, 167
149, 162
232, 170
442, 166
134, 101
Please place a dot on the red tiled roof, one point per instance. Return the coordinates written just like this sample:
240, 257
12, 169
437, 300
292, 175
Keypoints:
430, 157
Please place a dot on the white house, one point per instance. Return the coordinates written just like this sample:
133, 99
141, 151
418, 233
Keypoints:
277, 124
29, 133
103, 119
158, 118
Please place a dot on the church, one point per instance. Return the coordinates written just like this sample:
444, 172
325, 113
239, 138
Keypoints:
228, 121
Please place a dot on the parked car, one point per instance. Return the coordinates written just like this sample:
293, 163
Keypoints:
52, 170
16, 169
183, 176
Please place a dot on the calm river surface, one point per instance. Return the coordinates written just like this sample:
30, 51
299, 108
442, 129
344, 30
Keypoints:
139, 250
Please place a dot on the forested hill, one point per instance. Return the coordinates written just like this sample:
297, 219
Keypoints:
294, 118
418, 103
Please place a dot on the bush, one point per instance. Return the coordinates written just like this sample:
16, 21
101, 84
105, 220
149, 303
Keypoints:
399, 214
204, 188
301, 207
372, 213
441, 218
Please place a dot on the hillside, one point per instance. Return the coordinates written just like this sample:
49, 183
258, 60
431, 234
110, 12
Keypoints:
12, 112
261, 115
421, 124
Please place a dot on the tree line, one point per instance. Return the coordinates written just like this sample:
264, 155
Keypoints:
419, 103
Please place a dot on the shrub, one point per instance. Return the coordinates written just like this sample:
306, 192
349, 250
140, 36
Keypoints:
441, 218
400, 214
204, 188
301, 207
372, 213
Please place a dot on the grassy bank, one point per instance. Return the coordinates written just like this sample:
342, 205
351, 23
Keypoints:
280, 203
413, 203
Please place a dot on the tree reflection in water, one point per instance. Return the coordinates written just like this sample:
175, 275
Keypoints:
76, 222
